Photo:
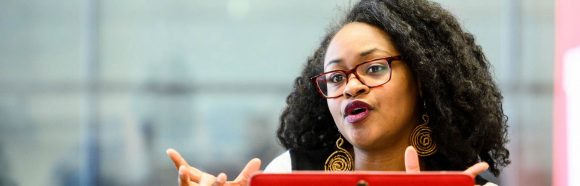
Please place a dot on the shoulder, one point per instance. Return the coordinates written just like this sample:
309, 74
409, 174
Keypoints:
298, 160
489, 184
280, 164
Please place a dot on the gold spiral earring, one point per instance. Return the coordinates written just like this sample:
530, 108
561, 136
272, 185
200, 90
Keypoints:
421, 139
339, 160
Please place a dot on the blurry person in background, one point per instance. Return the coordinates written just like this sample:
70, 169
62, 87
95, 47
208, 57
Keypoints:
397, 85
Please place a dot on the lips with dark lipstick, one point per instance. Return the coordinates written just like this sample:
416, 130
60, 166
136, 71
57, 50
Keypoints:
356, 111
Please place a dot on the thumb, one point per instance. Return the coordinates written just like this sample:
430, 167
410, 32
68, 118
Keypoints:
477, 169
253, 166
411, 160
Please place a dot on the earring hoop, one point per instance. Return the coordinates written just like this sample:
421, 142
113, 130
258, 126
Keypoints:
421, 139
340, 159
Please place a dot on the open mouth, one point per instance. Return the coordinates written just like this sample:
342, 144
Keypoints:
356, 111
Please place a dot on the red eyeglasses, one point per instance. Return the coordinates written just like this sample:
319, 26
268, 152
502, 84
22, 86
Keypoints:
371, 73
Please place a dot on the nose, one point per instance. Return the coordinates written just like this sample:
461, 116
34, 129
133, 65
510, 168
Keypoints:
354, 87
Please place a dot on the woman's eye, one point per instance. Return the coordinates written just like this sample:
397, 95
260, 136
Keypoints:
336, 78
375, 69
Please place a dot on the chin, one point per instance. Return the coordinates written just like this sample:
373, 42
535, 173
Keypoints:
360, 141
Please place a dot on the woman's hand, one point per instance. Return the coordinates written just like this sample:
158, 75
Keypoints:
412, 164
191, 176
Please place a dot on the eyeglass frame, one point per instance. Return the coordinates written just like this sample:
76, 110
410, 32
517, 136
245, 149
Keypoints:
389, 59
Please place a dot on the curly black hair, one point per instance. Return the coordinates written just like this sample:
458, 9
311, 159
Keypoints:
462, 99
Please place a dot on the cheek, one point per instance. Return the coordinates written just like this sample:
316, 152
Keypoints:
334, 107
398, 103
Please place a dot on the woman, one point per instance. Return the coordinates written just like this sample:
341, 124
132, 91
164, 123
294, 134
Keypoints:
392, 74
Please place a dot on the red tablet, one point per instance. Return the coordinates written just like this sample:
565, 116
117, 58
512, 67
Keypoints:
364, 178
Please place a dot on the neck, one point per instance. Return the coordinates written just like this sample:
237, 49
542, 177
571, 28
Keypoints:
390, 159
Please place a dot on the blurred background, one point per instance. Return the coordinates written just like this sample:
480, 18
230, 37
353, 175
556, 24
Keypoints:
93, 92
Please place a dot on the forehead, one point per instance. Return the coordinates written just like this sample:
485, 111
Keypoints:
355, 38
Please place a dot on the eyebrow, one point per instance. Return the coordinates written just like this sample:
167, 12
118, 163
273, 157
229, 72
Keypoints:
367, 52
362, 54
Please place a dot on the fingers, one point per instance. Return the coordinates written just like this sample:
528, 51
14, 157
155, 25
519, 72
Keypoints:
190, 176
412, 164
178, 161
184, 179
207, 180
193, 174
252, 167
176, 158
477, 169
411, 160
221, 179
